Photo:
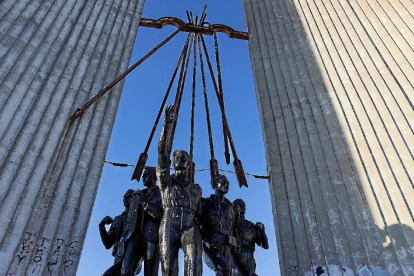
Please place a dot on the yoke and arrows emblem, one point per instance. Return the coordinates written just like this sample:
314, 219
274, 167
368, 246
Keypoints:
195, 41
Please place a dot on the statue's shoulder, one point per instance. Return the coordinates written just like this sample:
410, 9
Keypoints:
197, 188
210, 203
205, 202
248, 224
170, 182
118, 219
134, 201
230, 210
121, 216
210, 198
156, 193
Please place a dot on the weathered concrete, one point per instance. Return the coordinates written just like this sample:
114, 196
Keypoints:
55, 55
336, 106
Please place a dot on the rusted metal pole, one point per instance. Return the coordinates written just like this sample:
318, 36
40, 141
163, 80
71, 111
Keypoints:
221, 104
238, 167
191, 172
220, 83
213, 161
143, 157
203, 15
180, 90
82, 109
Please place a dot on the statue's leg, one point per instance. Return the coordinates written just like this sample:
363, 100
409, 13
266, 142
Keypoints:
176, 268
114, 270
242, 263
152, 259
133, 254
169, 245
226, 261
251, 263
208, 259
192, 246
220, 262
232, 263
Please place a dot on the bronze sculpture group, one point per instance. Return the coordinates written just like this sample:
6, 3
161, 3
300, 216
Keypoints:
160, 220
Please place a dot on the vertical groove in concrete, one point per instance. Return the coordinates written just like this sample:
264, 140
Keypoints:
336, 101
60, 54
286, 243
277, 99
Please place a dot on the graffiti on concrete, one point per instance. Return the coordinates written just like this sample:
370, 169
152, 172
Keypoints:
293, 270
55, 256
33, 252
72, 251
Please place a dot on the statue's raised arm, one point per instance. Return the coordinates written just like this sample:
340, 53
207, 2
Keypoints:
180, 201
164, 149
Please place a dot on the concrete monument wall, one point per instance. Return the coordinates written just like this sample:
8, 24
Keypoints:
334, 82
54, 56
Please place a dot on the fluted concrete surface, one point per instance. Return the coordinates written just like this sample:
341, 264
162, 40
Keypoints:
334, 83
54, 56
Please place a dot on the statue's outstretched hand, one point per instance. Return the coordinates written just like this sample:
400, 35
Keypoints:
169, 114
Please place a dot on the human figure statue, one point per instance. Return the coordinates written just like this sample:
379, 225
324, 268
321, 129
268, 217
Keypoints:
249, 234
139, 241
112, 237
181, 200
218, 228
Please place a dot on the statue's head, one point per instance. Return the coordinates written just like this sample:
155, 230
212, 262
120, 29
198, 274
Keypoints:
127, 197
220, 184
239, 208
149, 177
181, 160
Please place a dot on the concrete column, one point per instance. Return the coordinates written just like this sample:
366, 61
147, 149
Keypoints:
336, 106
55, 55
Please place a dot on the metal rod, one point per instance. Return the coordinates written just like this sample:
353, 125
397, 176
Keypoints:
221, 104
139, 168
199, 170
180, 89
192, 18
241, 178
184, 50
203, 14
188, 17
202, 19
220, 83
210, 134
193, 100
191, 172
82, 109
254, 175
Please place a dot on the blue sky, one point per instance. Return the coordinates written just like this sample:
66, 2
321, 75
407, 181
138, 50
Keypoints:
143, 92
